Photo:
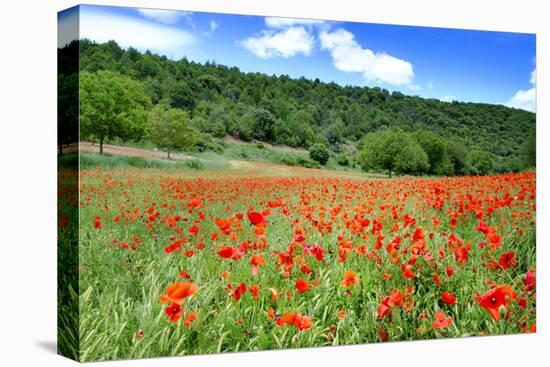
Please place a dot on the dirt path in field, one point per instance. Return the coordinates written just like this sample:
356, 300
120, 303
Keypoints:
255, 169
129, 151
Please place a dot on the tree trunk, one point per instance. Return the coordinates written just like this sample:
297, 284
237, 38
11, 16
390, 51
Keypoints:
168, 151
60, 149
389, 172
101, 146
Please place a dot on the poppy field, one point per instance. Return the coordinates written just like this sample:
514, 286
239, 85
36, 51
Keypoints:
174, 265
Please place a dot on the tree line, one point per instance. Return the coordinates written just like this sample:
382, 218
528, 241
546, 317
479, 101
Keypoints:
179, 103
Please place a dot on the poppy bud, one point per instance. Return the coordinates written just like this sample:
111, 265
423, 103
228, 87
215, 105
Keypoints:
502, 311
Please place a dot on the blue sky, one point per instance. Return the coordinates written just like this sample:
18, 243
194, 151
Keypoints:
447, 64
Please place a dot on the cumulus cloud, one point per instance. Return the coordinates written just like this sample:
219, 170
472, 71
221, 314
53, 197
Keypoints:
129, 31
286, 43
349, 56
278, 22
164, 16
525, 99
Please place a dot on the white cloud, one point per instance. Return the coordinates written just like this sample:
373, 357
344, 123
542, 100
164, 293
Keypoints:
414, 87
128, 31
430, 86
213, 26
277, 22
349, 56
525, 99
163, 16
286, 43
447, 99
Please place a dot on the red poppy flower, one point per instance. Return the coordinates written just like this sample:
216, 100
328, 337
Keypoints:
97, 223
302, 285
349, 279
508, 260
448, 298
174, 246
254, 291
255, 218
239, 291
384, 308
178, 292
495, 298
300, 321
256, 261
271, 313
396, 298
190, 318
194, 203
227, 252
406, 271
441, 321
174, 312
194, 230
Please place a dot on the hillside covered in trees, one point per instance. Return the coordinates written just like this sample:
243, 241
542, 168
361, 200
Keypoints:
439, 137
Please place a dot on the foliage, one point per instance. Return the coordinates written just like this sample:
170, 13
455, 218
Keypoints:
343, 160
111, 105
393, 150
436, 149
529, 150
222, 100
169, 129
319, 153
481, 162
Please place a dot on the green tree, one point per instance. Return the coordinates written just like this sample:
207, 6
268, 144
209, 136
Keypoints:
393, 150
182, 96
319, 153
530, 150
169, 129
436, 149
481, 162
264, 125
310, 111
334, 132
458, 154
111, 105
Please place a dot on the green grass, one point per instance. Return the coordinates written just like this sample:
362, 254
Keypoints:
93, 160
220, 151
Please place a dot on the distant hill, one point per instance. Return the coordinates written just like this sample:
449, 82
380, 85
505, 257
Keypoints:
222, 101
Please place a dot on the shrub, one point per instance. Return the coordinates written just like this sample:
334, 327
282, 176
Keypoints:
288, 160
308, 163
319, 153
342, 160
190, 163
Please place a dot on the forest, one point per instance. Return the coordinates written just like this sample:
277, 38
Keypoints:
138, 96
